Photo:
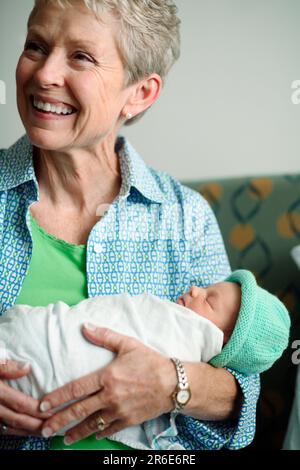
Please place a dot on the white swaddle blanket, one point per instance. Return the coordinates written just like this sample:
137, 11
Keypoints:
50, 338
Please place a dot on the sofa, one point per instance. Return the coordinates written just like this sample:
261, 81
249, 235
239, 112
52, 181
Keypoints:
259, 218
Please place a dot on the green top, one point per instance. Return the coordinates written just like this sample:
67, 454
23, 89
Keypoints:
57, 271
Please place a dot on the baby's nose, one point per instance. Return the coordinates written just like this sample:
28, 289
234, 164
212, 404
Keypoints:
195, 291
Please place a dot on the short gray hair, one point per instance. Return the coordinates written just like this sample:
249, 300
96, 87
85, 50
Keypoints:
149, 39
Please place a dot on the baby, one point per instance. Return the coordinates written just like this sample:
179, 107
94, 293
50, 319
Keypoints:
234, 323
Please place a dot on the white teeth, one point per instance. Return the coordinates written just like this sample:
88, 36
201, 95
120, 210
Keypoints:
51, 107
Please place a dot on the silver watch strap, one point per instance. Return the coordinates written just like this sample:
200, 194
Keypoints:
182, 382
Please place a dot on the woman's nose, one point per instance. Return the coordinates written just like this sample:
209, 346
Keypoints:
50, 72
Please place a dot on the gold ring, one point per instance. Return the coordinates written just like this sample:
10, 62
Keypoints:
101, 424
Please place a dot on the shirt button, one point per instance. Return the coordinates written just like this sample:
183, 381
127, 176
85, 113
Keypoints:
97, 248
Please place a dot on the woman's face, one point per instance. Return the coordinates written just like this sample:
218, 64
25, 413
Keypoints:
70, 61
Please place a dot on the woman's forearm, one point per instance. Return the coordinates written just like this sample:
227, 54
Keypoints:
216, 394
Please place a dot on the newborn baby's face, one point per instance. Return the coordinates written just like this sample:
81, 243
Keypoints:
219, 303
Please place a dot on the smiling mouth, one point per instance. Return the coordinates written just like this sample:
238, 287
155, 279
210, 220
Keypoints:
50, 108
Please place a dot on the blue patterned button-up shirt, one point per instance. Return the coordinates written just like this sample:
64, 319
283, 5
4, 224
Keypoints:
158, 236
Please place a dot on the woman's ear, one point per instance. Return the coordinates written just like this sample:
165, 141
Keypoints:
143, 95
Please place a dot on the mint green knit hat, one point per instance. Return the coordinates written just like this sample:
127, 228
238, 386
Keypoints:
261, 333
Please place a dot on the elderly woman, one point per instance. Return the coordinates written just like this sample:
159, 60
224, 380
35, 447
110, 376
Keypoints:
82, 215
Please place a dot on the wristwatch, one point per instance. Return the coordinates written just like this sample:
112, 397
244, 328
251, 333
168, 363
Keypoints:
182, 393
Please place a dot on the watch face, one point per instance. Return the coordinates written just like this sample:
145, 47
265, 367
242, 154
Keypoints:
183, 396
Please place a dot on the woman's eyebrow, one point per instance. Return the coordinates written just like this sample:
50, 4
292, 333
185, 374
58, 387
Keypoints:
75, 42
82, 43
36, 34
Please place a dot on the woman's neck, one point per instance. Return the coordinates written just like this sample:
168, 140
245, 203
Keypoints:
78, 181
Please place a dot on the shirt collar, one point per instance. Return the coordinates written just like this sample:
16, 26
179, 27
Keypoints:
16, 165
136, 174
16, 168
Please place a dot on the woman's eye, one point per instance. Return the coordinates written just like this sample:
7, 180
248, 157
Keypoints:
84, 57
33, 46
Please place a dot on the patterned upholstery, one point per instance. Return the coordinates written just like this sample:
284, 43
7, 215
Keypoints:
260, 222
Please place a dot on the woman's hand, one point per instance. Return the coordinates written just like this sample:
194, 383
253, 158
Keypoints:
135, 387
18, 412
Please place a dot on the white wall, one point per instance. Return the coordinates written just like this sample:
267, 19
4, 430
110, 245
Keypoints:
226, 108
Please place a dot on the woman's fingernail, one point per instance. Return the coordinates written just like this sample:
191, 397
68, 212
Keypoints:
68, 440
23, 365
89, 326
45, 406
47, 432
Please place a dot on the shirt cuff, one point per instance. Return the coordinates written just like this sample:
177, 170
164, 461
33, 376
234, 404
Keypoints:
244, 431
